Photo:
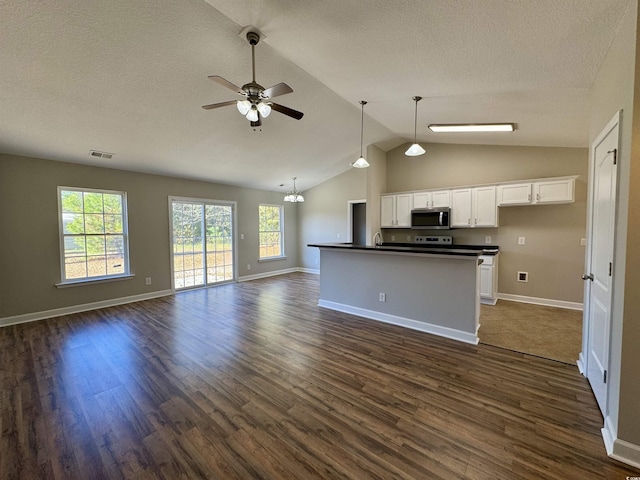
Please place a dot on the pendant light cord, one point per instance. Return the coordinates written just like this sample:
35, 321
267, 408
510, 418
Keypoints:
363, 103
415, 121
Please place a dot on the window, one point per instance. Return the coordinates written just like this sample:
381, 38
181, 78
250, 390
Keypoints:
93, 234
271, 231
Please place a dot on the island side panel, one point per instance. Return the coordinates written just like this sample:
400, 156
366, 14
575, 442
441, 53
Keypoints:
425, 290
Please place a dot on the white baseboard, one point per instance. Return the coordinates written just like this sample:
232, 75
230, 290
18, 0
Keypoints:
402, 321
85, 307
581, 364
548, 302
620, 450
246, 278
315, 271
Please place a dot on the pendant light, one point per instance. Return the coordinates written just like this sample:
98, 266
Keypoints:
361, 162
294, 196
415, 149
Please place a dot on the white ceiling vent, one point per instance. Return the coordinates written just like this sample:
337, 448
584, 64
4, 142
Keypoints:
96, 153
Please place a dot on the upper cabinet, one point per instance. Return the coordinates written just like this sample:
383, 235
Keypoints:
395, 211
432, 199
474, 207
537, 192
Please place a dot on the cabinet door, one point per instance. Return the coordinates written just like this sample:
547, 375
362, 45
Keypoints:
486, 281
461, 207
403, 210
485, 209
554, 191
387, 211
441, 198
422, 200
516, 194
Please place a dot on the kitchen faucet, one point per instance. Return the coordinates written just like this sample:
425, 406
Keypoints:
377, 239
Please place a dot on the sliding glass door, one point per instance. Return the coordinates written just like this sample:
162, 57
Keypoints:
203, 247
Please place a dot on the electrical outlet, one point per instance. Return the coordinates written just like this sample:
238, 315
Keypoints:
249, 266
487, 239
242, 236
408, 238
393, 238
523, 276
147, 281
521, 240
383, 297
583, 242
337, 235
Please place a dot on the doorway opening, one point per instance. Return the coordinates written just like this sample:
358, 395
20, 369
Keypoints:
358, 222
203, 248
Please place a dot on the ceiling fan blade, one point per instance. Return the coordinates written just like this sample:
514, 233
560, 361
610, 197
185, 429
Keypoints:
277, 90
226, 83
287, 111
218, 105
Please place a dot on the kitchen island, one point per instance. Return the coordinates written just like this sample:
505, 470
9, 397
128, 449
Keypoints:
433, 290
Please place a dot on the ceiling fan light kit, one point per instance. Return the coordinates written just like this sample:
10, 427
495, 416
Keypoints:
415, 150
256, 103
361, 162
472, 127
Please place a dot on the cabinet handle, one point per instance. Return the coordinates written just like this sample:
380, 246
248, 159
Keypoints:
476, 221
468, 221
529, 197
537, 197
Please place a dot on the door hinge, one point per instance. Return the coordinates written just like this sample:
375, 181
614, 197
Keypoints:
610, 268
604, 377
615, 155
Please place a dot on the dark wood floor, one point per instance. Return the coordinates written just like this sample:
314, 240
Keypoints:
253, 381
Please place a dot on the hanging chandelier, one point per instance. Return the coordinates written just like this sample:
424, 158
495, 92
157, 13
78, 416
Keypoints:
294, 195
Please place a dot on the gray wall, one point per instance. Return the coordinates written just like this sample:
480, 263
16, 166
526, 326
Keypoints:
30, 254
324, 215
552, 253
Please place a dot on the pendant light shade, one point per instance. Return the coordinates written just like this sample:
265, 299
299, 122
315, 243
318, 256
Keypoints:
294, 196
361, 162
415, 150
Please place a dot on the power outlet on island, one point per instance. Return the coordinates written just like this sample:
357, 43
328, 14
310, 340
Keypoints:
147, 281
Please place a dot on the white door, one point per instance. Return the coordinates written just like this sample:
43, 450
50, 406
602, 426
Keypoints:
485, 209
600, 259
422, 200
441, 198
387, 211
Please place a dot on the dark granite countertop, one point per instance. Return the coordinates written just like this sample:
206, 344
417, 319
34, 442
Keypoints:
405, 248
486, 249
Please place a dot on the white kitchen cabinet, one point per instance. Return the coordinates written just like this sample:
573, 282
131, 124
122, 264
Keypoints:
484, 207
474, 207
514, 194
489, 279
432, 199
395, 211
554, 191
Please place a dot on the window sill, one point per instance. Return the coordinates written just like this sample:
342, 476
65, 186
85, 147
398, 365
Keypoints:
90, 281
271, 259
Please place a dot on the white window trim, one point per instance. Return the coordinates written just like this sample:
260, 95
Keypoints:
282, 255
125, 227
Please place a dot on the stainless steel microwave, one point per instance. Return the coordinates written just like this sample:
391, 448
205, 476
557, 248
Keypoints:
430, 218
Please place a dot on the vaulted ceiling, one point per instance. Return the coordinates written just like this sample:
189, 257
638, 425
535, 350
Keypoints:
129, 77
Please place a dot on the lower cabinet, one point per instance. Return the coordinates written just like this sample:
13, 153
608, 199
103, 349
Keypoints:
489, 279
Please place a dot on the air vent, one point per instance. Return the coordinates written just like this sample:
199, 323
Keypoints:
96, 153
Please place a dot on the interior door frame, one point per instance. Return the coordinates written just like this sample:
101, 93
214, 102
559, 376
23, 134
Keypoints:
583, 360
234, 233
350, 204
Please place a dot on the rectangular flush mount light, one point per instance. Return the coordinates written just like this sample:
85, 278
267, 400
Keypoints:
472, 127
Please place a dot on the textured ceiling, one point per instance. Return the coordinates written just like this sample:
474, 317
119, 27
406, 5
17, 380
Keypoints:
129, 77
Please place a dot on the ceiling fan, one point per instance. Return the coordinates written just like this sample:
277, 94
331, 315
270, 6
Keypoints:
256, 103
